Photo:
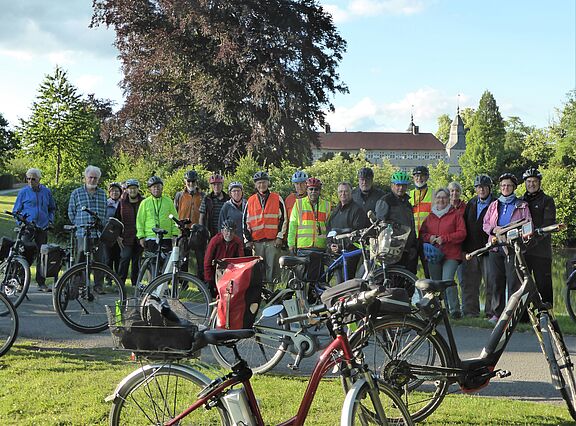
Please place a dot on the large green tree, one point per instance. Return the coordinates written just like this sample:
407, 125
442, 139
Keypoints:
514, 143
563, 132
8, 140
443, 132
207, 82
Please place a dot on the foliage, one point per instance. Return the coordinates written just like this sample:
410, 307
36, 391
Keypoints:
564, 133
467, 116
208, 82
440, 175
61, 194
174, 181
537, 148
443, 132
19, 164
8, 140
245, 169
516, 134
560, 183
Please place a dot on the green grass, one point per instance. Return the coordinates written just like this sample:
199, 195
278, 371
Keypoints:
6, 222
56, 386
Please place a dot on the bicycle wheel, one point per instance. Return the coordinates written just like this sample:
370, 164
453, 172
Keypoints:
359, 407
154, 394
390, 344
145, 275
80, 301
561, 367
398, 278
8, 324
15, 279
263, 351
190, 290
570, 296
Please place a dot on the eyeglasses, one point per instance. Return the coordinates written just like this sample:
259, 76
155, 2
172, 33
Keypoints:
190, 181
314, 189
33, 179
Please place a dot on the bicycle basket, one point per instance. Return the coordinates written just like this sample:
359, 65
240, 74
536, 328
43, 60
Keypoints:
5, 246
393, 253
147, 330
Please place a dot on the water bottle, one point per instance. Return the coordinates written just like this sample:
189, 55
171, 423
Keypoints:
388, 237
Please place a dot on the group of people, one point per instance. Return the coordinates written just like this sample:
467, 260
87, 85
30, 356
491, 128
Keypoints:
227, 224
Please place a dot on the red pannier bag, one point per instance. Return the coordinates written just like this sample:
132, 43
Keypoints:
239, 292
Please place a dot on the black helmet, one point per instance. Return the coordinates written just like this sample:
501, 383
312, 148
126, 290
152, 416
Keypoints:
153, 181
115, 185
510, 176
482, 180
421, 170
366, 173
260, 176
191, 175
532, 172
228, 224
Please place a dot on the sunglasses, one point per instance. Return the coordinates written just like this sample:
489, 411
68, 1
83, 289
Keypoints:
33, 179
314, 189
190, 181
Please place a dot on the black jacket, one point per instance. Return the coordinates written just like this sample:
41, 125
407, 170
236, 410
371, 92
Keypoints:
543, 211
367, 201
475, 235
350, 215
392, 209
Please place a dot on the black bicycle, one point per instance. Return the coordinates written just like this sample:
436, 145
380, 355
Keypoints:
8, 324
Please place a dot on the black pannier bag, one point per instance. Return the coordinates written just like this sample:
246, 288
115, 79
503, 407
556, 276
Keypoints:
51, 256
5, 246
112, 230
198, 239
30, 251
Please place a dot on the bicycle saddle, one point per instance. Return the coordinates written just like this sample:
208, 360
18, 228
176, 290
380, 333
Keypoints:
292, 261
427, 285
159, 231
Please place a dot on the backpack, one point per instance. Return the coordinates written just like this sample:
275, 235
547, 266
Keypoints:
239, 292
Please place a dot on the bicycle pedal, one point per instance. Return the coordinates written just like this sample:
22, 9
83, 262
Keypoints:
293, 367
503, 373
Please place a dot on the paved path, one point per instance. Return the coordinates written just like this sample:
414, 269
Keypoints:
530, 379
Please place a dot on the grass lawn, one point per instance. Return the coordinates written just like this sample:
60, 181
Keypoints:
53, 386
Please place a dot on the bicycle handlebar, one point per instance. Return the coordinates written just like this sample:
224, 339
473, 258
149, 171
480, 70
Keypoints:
180, 223
23, 218
91, 213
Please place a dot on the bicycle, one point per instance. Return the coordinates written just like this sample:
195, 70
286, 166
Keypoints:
570, 292
165, 393
8, 324
81, 293
412, 356
17, 257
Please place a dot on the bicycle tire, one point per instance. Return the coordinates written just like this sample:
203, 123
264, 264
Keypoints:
155, 394
384, 342
15, 279
398, 277
79, 310
191, 291
8, 324
558, 357
263, 351
145, 275
358, 407
570, 297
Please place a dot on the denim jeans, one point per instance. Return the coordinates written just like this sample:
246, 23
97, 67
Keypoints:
446, 270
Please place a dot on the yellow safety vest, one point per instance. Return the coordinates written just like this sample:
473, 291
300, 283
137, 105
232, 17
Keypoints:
308, 224
421, 200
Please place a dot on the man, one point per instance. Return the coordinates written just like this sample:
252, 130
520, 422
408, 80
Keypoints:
130, 249
395, 207
36, 201
421, 200
299, 181
234, 207
112, 253
366, 195
543, 211
94, 199
475, 270
307, 229
154, 212
265, 223
347, 214
212, 204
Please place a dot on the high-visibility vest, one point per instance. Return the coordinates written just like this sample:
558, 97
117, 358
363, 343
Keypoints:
308, 224
421, 200
263, 223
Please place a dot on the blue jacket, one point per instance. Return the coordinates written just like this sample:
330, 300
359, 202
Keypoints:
38, 205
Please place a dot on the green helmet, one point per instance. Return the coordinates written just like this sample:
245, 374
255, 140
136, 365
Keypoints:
400, 178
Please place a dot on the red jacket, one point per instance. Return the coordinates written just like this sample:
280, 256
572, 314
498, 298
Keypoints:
218, 249
450, 227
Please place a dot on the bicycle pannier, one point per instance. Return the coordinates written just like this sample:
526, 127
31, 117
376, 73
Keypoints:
30, 251
5, 245
240, 292
113, 229
198, 239
51, 256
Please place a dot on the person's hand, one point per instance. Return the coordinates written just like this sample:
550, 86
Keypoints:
439, 240
496, 229
278, 242
142, 242
433, 239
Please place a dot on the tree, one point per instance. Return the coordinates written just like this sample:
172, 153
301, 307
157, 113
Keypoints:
62, 132
443, 132
467, 116
514, 143
8, 140
564, 133
208, 82
538, 148
440, 175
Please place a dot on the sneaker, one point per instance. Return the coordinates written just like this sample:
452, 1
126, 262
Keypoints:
44, 288
493, 320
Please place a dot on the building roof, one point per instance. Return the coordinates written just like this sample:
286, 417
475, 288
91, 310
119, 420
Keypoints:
380, 141
457, 138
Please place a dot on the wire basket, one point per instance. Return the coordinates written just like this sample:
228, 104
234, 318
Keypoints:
390, 254
144, 330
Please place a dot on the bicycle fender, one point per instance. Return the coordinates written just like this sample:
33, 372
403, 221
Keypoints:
346, 418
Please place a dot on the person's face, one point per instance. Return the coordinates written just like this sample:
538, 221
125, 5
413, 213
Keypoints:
532, 185
441, 200
344, 194
217, 187
420, 179
300, 188
114, 193
399, 189
190, 184
313, 193
262, 185
133, 191
156, 190
507, 187
33, 181
91, 179
236, 194
365, 184
482, 191
455, 194
227, 234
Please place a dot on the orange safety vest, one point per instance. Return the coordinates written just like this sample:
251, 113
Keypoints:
263, 223
422, 205
189, 206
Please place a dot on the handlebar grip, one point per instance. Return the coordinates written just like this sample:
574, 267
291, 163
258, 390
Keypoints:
315, 310
551, 228
342, 236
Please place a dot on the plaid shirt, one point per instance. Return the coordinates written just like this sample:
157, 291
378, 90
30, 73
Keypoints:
96, 202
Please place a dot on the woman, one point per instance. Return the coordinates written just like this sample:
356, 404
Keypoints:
455, 193
501, 212
445, 230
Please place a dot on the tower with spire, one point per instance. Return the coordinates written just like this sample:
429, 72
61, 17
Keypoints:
456, 142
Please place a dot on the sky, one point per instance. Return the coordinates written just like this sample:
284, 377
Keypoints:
420, 57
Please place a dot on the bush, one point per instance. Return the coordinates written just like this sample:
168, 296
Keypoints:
61, 194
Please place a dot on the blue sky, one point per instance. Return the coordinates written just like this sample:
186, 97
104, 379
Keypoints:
403, 56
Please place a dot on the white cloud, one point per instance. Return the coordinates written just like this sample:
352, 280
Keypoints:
361, 8
87, 83
19, 55
62, 57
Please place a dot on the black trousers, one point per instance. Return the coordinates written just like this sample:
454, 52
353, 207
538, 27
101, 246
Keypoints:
130, 255
541, 269
502, 276
40, 237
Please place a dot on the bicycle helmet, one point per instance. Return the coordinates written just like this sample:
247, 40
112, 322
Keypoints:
153, 181
260, 176
400, 178
510, 176
191, 175
235, 184
366, 173
532, 172
482, 180
421, 170
313, 183
115, 185
432, 253
299, 176
228, 224
216, 178
132, 182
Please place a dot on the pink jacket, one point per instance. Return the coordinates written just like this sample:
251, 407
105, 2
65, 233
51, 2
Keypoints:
450, 227
491, 218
